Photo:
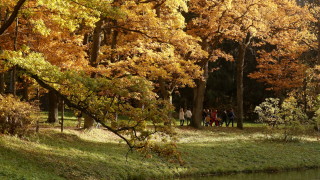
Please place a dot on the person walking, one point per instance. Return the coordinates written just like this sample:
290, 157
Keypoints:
188, 116
79, 118
231, 117
181, 116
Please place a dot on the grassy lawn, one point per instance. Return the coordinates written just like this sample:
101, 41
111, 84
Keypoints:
99, 154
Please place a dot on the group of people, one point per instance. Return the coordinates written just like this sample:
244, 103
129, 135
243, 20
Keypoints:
210, 117
185, 115
214, 117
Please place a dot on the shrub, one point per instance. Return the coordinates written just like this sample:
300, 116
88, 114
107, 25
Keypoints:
269, 112
16, 116
288, 113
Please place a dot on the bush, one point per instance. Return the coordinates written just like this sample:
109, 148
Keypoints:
16, 116
269, 112
288, 113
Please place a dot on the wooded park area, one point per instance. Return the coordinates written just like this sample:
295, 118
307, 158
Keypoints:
130, 65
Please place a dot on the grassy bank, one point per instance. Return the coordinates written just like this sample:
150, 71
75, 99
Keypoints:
99, 155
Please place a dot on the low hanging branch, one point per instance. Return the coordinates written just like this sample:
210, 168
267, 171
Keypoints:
73, 105
97, 96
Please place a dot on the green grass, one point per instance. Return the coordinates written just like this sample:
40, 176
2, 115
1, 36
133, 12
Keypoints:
98, 154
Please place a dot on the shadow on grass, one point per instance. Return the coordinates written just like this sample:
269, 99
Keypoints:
58, 155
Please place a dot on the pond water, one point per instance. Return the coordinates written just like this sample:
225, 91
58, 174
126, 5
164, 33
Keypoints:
311, 174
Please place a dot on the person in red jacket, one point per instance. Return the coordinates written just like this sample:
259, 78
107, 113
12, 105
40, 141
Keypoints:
214, 115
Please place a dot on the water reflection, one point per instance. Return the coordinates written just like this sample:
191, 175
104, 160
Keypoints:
313, 174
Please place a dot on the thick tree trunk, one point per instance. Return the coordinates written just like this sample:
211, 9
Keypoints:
240, 65
198, 98
53, 107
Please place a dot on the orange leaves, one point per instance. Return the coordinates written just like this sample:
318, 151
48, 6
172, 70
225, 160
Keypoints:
279, 73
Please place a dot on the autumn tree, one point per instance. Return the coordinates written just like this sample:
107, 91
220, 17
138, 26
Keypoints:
8, 14
101, 97
243, 22
282, 67
140, 41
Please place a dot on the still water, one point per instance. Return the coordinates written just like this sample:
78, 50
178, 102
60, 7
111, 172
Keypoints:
313, 174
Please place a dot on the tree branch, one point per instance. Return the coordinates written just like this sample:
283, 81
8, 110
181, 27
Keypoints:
73, 105
14, 14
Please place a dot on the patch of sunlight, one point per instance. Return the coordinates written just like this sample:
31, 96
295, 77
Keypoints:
309, 138
188, 136
97, 135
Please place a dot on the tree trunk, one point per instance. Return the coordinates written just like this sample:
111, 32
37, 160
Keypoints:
86, 39
53, 108
318, 27
96, 43
240, 65
198, 98
2, 83
13, 80
62, 115
88, 122
114, 42
305, 101
25, 95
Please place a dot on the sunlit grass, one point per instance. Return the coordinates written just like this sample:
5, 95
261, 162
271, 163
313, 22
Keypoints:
99, 154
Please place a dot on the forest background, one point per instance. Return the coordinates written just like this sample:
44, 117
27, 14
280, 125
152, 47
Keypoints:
140, 59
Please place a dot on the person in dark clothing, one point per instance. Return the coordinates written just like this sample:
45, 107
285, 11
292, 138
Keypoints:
224, 117
231, 117
204, 115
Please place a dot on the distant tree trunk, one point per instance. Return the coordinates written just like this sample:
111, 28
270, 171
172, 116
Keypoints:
25, 95
198, 98
305, 101
13, 80
164, 93
88, 122
86, 39
14, 70
2, 76
318, 27
318, 38
62, 115
114, 42
96, 43
2, 83
53, 107
240, 65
